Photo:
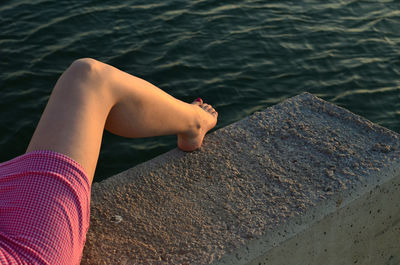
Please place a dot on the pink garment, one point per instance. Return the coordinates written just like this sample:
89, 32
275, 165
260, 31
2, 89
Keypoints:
44, 209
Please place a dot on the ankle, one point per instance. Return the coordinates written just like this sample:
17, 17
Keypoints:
196, 123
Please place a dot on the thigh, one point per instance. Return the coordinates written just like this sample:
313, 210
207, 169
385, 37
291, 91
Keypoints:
74, 118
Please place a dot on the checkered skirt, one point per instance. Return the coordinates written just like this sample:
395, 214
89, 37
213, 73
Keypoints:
44, 209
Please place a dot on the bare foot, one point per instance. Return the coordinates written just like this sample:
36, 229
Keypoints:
206, 119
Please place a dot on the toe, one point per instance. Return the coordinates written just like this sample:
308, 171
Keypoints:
198, 102
205, 106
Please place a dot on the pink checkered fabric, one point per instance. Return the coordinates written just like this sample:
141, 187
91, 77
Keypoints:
44, 209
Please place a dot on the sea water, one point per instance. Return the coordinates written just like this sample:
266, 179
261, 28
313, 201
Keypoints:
240, 56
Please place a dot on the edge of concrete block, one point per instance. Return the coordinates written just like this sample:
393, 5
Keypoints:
251, 137
258, 252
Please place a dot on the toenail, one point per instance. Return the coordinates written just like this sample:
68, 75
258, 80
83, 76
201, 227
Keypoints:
198, 99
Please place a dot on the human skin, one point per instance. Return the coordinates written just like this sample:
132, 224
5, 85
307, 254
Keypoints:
91, 96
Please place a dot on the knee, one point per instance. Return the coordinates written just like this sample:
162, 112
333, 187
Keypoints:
84, 77
85, 66
85, 62
86, 69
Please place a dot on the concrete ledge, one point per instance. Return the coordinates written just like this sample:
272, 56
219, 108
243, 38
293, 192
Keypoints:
365, 231
303, 182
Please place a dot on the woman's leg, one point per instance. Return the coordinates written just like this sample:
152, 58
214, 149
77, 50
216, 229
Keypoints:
91, 96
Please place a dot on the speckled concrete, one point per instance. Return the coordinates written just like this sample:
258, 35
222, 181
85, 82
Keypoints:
296, 173
364, 231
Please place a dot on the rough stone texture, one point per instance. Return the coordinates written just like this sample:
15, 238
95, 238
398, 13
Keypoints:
364, 231
262, 180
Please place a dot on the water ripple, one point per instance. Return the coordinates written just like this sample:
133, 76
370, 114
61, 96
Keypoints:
366, 91
240, 56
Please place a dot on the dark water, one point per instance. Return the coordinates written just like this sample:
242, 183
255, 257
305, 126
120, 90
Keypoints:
241, 56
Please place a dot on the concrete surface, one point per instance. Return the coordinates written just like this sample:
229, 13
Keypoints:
303, 182
366, 231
